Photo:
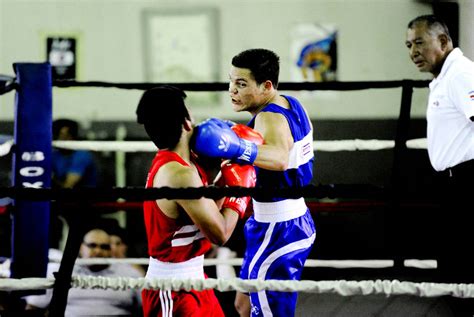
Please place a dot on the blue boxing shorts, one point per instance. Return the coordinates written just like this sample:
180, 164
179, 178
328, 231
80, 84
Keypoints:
278, 243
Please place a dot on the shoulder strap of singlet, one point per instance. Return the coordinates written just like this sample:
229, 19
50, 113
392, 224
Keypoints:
165, 156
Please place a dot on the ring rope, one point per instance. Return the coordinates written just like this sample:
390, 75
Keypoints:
341, 287
6, 147
238, 262
88, 194
7, 84
335, 264
323, 146
340, 264
224, 86
147, 146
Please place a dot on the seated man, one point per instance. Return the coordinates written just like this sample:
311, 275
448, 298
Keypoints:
70, 169
93, 302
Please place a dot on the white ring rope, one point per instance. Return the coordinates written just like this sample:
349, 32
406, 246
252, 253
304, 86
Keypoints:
324, 146
29, 283
6, 147
147, 146
341, 287
339, 264
238, 262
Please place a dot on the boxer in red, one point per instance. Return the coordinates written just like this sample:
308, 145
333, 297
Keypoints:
180, 231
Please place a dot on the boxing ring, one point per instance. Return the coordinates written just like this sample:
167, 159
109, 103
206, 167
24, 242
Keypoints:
31, 192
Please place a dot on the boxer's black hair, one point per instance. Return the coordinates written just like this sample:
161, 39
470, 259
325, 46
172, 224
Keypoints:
262, 63
162, 111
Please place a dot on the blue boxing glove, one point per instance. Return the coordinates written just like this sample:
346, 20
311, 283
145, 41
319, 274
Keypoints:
215, 138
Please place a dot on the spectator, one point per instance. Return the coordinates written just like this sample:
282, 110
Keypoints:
70, 169
119, 244
88, 302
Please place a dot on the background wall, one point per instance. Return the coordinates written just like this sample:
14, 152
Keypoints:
111, 48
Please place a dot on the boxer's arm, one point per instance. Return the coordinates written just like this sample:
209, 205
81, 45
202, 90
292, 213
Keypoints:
274, 154
204, 212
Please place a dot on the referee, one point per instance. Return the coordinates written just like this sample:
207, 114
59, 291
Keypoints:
450, 134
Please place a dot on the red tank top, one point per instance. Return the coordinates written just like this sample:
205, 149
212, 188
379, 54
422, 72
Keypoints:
172, 240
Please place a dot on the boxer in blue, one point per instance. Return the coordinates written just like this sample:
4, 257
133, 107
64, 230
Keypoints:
281, 230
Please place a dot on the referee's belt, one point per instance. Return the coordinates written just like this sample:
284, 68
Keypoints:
460, 169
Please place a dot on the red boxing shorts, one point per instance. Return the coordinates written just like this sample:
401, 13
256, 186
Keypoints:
169, 303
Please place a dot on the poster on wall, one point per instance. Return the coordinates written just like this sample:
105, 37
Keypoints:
61, 54
314, 52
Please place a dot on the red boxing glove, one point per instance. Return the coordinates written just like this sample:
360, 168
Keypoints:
248, 133
238, 175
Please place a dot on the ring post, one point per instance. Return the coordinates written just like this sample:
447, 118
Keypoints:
398, 174
32, 168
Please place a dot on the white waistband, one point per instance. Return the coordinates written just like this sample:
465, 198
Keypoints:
193, 268
280, 210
